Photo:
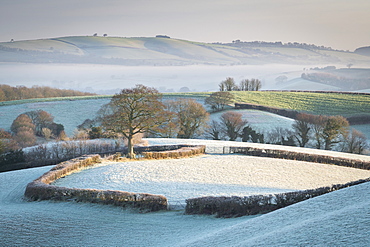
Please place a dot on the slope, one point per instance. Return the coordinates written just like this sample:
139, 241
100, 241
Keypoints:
336, 219
164, 51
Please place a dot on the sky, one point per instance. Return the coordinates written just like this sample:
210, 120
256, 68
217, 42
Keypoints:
340, 24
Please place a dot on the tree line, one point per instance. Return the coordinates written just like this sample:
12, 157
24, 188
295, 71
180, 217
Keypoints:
245, 85
337, 81
141, 110
27, 127
8, 93
314, 131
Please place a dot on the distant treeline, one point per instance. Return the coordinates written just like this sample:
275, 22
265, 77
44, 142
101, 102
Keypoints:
337, 81
238, 43
8, 93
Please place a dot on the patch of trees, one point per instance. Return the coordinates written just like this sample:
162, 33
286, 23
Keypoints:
337, 81
238, 43
139, 110
321, 132
163, 36
26, 128
8, 93
245, 85
219, 100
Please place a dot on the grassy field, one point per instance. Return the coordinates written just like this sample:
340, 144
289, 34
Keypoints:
316, 103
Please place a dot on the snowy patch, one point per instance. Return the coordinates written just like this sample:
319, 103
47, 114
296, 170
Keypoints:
211, 175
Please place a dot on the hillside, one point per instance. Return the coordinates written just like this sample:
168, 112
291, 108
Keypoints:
363, 51
168, 51
339, 218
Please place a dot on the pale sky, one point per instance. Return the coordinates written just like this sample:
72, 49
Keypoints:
340, 24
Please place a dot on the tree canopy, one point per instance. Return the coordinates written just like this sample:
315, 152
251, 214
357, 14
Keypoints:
133, 111
218, 100
191, 117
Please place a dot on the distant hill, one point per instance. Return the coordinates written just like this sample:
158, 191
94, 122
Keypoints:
353, 79
363, 51
163, 50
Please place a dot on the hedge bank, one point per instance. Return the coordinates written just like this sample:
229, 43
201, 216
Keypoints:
292, 155
235, 206
41, 188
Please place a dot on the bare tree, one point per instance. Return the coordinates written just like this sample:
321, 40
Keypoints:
191, 117
354, 142
214, 130
233, 124
335, 127
218, 100
317, 125
301, 127
169, 127
228, 85
41, 119
133, 111
22, 121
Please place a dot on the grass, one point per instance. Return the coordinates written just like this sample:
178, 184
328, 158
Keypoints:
315, 103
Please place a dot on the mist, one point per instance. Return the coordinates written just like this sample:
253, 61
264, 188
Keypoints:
109, 79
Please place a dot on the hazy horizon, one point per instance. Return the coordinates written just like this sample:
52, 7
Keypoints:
338, 24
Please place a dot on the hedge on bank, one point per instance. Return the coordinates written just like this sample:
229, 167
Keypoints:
292, 155
235, 206
41, 188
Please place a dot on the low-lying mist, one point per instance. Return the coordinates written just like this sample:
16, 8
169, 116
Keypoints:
108, 79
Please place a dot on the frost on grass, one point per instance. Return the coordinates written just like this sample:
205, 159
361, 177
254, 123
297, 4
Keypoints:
212, 175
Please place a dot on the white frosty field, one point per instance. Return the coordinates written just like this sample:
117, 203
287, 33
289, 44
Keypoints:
211, 175
340, 218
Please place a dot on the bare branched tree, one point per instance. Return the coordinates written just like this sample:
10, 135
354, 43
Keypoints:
133, 111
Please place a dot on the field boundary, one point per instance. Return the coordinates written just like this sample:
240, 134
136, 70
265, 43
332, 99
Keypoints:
41, 188
234, 206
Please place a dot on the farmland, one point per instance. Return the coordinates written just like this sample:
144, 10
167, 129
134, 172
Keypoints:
342, 214
311, 102
314, 103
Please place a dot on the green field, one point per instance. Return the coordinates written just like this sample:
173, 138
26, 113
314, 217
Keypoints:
315, 103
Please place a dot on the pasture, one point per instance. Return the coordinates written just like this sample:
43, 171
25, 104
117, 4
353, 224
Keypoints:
339, 217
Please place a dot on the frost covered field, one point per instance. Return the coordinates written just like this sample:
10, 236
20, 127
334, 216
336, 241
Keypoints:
211, 175
340, 218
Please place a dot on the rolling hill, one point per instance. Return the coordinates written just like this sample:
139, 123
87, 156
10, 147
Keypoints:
167, 51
